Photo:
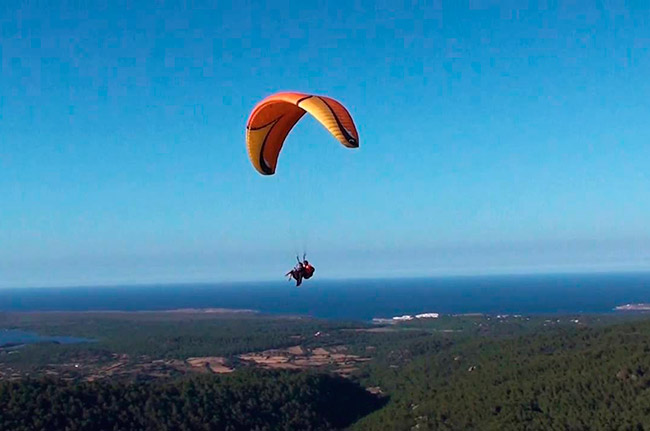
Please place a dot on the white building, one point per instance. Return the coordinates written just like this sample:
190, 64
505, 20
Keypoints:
427, 316
404, 317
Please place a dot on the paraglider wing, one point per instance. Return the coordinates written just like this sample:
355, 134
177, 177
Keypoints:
274, 117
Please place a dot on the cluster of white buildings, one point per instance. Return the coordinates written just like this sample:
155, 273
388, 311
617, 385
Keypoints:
405, 318
417, 316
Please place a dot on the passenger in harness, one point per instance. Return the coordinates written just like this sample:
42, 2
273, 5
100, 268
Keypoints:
297, 272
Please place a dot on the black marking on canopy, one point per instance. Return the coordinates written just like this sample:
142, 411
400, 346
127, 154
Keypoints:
266, 168
302, 99
261, 127
351, 139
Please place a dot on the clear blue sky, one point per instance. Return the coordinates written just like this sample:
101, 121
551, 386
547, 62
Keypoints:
494, 138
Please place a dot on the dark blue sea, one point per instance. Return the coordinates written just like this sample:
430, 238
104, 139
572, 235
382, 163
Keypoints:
11, 337
357, 299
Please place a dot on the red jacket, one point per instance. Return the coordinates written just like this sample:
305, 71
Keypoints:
308, 271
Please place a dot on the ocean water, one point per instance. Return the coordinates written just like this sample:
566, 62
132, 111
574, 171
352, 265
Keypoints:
18, 337
357, 299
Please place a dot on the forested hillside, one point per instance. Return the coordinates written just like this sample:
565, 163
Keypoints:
475, 372
248, 400
565, 379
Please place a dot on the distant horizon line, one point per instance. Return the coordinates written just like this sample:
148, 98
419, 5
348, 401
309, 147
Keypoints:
146, 284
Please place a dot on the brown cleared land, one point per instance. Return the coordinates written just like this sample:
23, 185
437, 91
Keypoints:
216, 364
302, 358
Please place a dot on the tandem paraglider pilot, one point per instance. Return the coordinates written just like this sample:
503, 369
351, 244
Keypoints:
269, 125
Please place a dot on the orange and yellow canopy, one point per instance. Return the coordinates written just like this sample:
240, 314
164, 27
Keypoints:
274, 117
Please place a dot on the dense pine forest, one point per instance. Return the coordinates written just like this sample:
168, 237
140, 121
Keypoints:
560, 379
243, 401
451, 373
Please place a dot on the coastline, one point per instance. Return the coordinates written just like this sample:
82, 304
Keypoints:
167, 311
633, 307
